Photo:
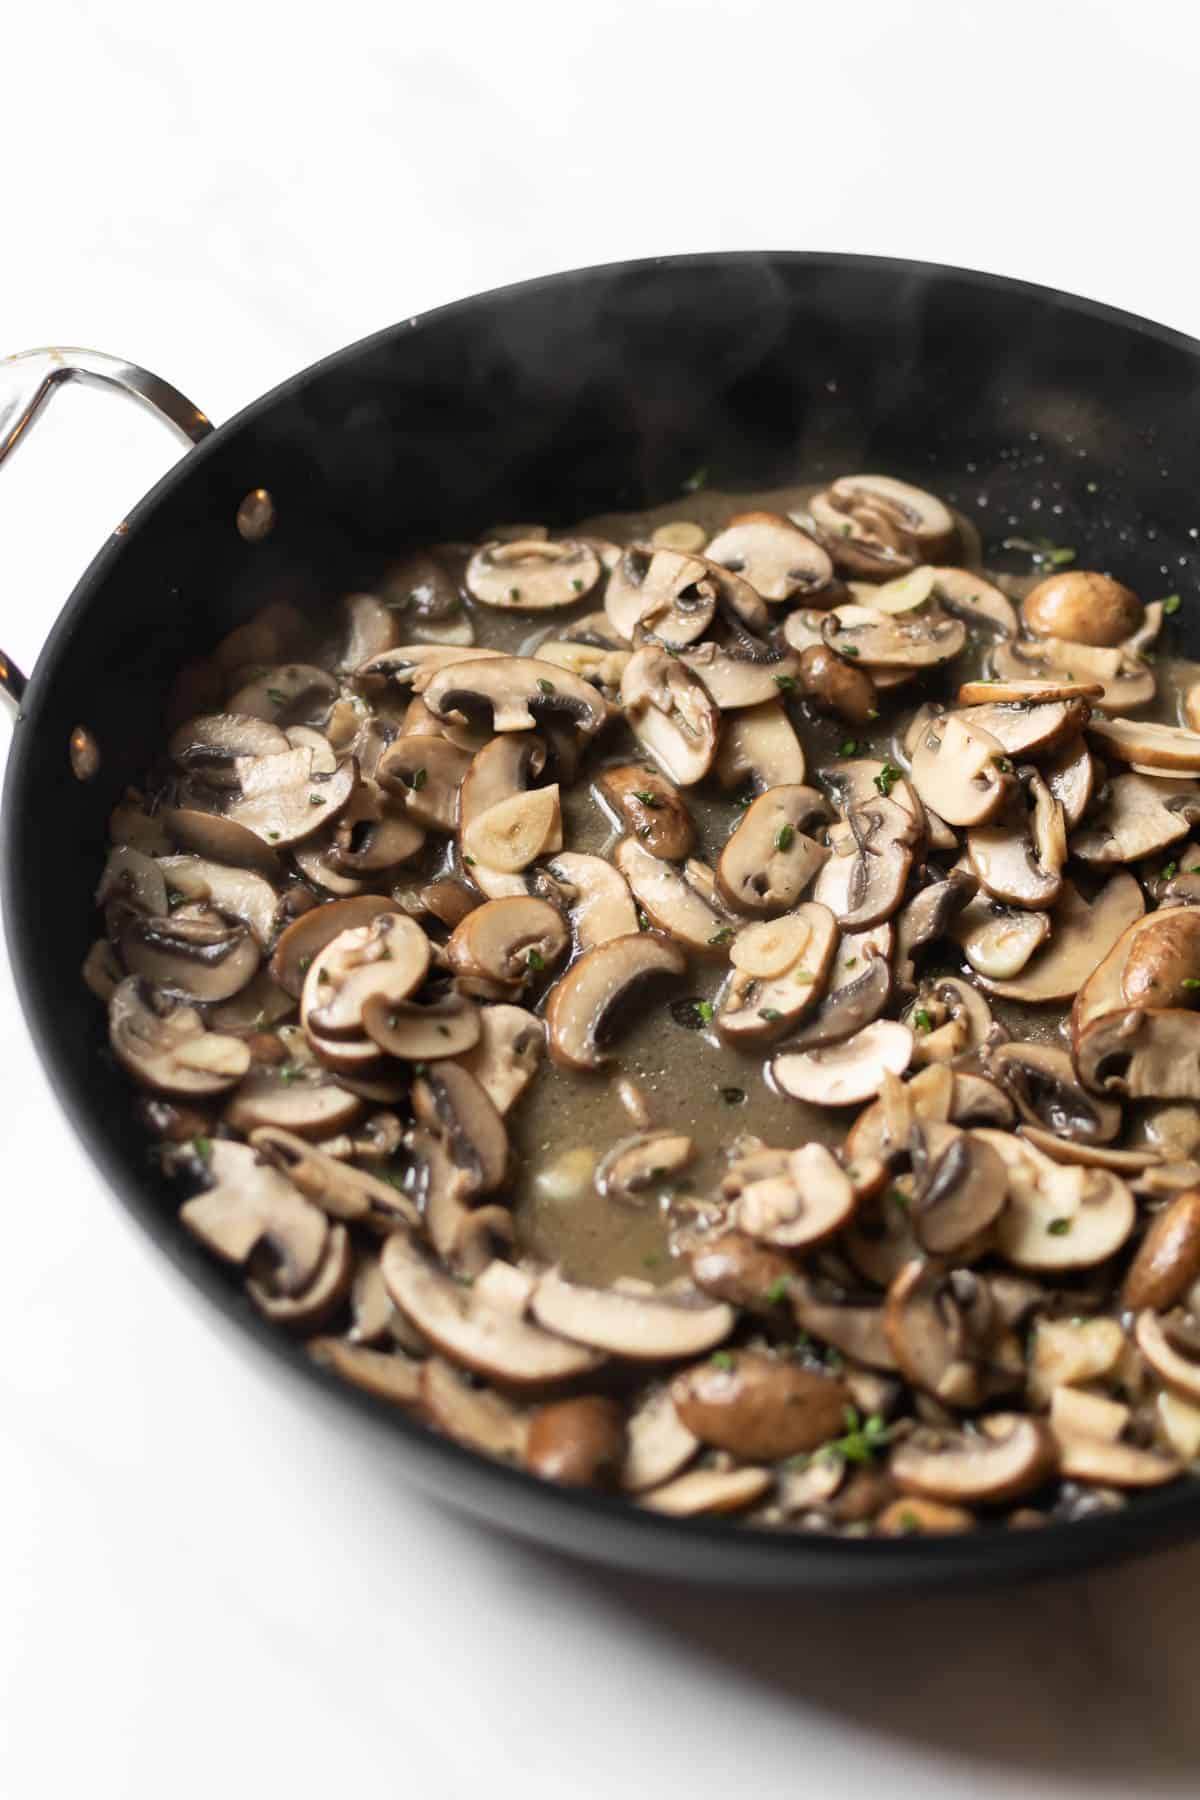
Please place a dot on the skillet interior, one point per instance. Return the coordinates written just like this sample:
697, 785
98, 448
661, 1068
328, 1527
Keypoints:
577, 394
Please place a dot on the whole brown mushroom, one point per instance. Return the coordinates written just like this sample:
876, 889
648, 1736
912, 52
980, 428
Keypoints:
834, 687
1084, 607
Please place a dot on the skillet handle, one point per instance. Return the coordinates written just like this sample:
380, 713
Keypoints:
27, 382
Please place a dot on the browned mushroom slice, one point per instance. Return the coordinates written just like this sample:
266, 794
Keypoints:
1170, 748
998, 941
1153, 963
893, 641
426, 774
1167, 1262
672, 714
1025, 728
759, 744
387, 1375
289, 809
238, 893
207, 748
304, 1100
1087, 1429
646, 1326
416, 665
745, 671
1059, 1215
949, 1019
580, 1442
704, 1491
585, 1008
769, 861
759, 1408
1142, 1055
595, 896
749, 1275
852, 1323
886, 823
836, 686
1020, 861
650, 808
388, 957
1082, 935
658, 1443
506, 1058
164, 1045
1041, 1080
857, 992
475, 1335
1009, 1456
292, 693
671, 593
961, 771
1170, 1343
137, 880
875, 526
454, 1108
532, 575
370, 836
478, 1417
634, 1165
960, 1187
847, 1073
222, 840
947, 1334
498, 775
928, 917
1138, 816
250, 1204
515, 693
808, 1201
994, 692
671, 903
1125, 680
196, 954
1083, 607
966, 595
501, 946
307, 936
339, 1189
779, 971
421, 1030
778, 559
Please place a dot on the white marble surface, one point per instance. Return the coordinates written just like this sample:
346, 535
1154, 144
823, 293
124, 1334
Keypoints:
201, 1590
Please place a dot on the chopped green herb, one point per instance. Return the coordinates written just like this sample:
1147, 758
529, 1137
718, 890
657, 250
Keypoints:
1057, 555
1172, 604
277, 697
653, 801
785, 683
802, 978
785, 837
417, 779
705, 1009
288, 1073
900, 1199
887, 778
908, 1521
1168, 871
696, 480
1003, 764
847, 649
514, 593
202, 1146
1059, 1227
852, 962
546, 687
577, 587
1191, 981
323, 976
316, 800
723, 936
643, 921
833, 1358
778, 1291
535, 960
274, 836
305, 964
849, 748
722, 1359
733, 1096
847, 529
770, 1013
922, 1020
864, 1437
651, 1260
872, 712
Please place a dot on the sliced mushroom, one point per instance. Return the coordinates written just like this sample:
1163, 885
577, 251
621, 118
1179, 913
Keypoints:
506, 1057
219, 839
579, 1442
847, 1073
949, 1018
197, 954
1028, 729
1070, 1352
208, 747
1041, 1080
883, 641
672, 594
886, 823
769, 861
779, 972
734, 1267
425, 773
744, 671
1170, 1343
703, 1491
473, 1334
304, 1100
961, 771
387, 1375
1142, 1055
532, 575
966, 595
960, 1187
759, 744
288, 810
595, 897
291, 693
1086, 1429
251, 1205
164, 1045
1059, 1215
1171, 748
502, 945
808, 1201
635, 1165
1125, 681
1082, 935
641, 1327
304, 939
422, 1030
875, 526
650, 808
498, 775
588, 1004
340, 1190
948, 1334
1152, 964
238, 893
478, 1417
388, 957
658, 1443
670, 711
455, 1109
1167, 1262
851, 1322
135, 880
778, 559
671, 903
1083, 607
1009, 1456
858, 990
759, 1408
928, 917
514, 693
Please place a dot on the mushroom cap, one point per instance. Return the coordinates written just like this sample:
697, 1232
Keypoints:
164, 1045
506, 1058
779, 967
847, 1073
303, 940
1082, 606
513, 693
596, 897
759, 744
768, 862
1059, 1215
778, 559
901, 641
499, 947
470, 1332
1009, 1456
960, 1189
658, 1443
1171, 748
670, 901
1081, 936
650, 808
532, 574
961, 771
580, 1442
1167, 1261
250, 1204
702, 1491
201, 957
759, 1408
1041, 1079
671, 713
585, 1005
875, 526
641, 1327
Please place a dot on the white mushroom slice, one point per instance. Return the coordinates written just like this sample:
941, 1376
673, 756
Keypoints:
295, 809
477, 1417
778, 559
1070, 774
207, 747
1081, 937
252, 1204
389, 956
515, 693
425, 773
858, 989
164, 1044
1009, 1456
1170, 748
474, 1335
658, 1443
1142, 1055
340, 1190
196, 953
1021, 862
998, 941
387, 1374
1059, 1215
1026, 728
590, 662
950, 1018
504, 767
313, 858
516, 831
1087, 1430
670, 902
370, 836
671, 593
597, 898
1125, 680
966, 595
297, 692
101, 970
137, 880
588, 1004
532, 575
768, 861
739, 678
1170, 1343
421, 1030
1041, 1080
759, 744
639, 1327
416, 665
903, 593
879, 641
844, 1074
961, 771
1126, 1163
876, 526
239, 893
222, 840
707, 1491
779, 972
671, 713
994, 692
303, 1100
810, 1202
506, 1057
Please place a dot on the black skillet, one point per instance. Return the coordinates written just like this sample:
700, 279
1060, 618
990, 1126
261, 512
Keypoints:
1036, 413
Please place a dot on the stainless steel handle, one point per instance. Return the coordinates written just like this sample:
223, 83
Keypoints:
27, 382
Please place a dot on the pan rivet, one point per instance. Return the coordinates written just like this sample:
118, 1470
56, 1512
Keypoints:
256, 516
85, 754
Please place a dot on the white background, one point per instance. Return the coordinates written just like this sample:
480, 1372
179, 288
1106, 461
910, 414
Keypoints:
201, 1589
